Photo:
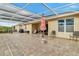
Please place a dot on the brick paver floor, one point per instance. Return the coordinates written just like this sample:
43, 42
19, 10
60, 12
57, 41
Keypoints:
17, 44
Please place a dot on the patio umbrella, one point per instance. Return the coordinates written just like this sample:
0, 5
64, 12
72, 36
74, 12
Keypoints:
43, 25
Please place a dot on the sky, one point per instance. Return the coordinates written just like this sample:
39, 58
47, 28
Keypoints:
8, 23
39, 8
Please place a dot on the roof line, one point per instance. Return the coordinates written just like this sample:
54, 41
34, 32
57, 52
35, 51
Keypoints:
53, 17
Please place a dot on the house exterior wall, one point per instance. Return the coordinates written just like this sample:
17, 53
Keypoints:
17, 28
29, 28
53, 25
36, 26
76, 22
23, 27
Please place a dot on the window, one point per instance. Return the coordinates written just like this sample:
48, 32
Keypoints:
70, 25
66, 25
60, 25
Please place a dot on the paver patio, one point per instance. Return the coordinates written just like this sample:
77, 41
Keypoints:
17, 44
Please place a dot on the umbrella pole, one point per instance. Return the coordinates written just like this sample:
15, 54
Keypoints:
43, 39
43, 34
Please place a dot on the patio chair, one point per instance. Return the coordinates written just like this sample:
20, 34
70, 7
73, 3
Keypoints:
21, 31
53, 34
75, 35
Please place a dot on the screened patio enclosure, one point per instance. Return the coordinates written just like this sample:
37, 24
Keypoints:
22, 19
15, 13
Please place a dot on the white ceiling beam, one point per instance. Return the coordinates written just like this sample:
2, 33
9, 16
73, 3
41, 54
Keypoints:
15, 14
9, 18
11, 14
21, 8
27, 11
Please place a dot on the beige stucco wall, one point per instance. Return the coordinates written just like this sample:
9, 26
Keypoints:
76, 22
36, 26
53, 25
23, 27
29, 28
17, 28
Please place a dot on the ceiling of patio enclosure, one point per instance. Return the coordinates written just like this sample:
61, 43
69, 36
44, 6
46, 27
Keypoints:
24, 12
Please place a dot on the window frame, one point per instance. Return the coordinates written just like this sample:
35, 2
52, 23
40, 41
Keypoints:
61, 25
65, 28
69, 25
